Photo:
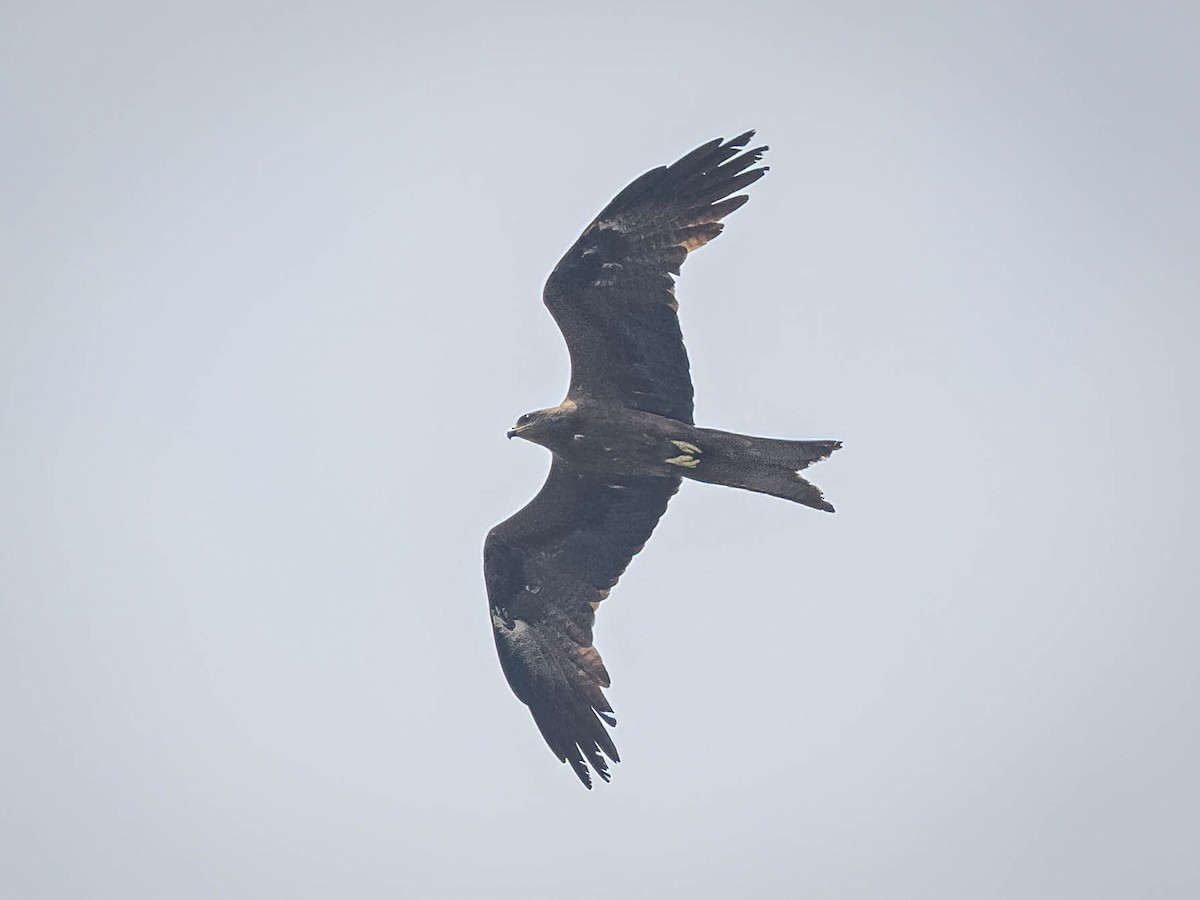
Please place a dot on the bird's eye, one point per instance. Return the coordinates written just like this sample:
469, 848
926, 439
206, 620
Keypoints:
525, 419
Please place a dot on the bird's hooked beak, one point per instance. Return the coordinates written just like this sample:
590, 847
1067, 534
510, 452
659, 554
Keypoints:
515, 430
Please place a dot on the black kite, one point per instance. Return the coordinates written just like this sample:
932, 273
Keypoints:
622, 441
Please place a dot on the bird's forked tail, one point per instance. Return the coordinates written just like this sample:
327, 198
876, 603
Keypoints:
765, 465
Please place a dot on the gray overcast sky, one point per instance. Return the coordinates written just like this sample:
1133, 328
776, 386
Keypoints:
270, 296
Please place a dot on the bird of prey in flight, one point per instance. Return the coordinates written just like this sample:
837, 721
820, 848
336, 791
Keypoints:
622, 441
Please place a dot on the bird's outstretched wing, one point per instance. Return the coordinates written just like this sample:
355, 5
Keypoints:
547, 568
612, 294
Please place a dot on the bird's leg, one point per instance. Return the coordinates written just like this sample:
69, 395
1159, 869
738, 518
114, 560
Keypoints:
688, 459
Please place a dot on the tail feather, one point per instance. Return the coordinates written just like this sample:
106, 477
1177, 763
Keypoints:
793, 455
790, 487
765, 465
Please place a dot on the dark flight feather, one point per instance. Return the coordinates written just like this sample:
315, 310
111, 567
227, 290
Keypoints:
612, 294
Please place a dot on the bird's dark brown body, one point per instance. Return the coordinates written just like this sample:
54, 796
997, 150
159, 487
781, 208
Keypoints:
599, 437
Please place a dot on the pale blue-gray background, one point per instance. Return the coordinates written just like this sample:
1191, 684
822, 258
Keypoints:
270, 295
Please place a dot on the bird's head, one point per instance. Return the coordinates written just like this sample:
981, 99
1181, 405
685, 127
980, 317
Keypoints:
525, 423
538, 425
